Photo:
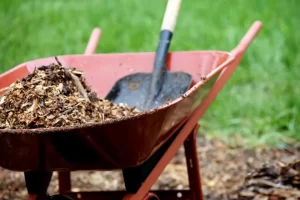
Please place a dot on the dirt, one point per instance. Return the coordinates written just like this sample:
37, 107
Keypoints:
55, 96
278, 181
227, 171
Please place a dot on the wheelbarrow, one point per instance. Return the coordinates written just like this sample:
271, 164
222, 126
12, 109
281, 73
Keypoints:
141, 146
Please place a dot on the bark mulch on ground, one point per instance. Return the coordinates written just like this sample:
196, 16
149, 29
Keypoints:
278, 181
227, 173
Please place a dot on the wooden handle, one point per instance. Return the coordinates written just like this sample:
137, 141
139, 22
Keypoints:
171, 15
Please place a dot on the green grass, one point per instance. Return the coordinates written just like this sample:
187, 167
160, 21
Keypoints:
261, 102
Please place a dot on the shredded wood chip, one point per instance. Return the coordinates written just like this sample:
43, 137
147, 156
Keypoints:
55, 96
280, 181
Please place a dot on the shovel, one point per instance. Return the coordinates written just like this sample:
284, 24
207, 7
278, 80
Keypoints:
146, 91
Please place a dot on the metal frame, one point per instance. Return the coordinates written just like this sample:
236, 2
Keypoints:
38, 191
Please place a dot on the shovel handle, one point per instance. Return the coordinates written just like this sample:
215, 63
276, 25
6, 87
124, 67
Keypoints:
171, 14
166, 33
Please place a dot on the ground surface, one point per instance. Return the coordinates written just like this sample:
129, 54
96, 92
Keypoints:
223, 169
260, 101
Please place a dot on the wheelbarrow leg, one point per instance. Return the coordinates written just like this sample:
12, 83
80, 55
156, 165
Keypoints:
136, 187
193, 168
64, 182
135, 176
37, 183
64, 178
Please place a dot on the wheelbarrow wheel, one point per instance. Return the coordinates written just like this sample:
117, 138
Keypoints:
151, 196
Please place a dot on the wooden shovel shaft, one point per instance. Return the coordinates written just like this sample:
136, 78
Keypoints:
171, 15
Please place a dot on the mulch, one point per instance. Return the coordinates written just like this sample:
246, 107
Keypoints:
227, 173
55, 96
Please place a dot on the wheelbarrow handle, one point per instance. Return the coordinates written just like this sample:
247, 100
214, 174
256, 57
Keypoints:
247, 39
93, 41
235, 59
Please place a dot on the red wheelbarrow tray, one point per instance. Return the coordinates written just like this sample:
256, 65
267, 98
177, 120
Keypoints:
127, 142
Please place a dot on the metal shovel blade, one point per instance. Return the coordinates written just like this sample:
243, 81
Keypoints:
133, 89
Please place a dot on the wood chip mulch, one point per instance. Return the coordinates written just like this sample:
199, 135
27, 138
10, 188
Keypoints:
278, 181
55, 96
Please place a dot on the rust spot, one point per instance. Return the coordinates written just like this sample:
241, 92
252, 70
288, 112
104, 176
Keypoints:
133, 86
167, 98
203, 77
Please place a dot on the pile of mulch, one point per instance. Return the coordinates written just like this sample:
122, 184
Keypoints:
278, 181
55, 96
224, 170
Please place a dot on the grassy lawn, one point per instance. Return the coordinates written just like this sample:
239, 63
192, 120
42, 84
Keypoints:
262, 100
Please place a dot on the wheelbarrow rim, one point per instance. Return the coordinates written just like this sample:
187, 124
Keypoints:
230, 58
